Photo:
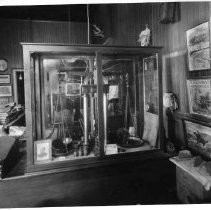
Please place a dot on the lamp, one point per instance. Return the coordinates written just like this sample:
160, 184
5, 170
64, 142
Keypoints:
170, 101
171, 104
20, 77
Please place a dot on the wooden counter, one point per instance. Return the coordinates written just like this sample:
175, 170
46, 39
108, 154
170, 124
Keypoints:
141, 180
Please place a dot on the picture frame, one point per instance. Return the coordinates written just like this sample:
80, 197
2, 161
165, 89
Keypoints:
198, 137
199, 96
42, 151
72, 89
198, 47
5, 79
6, 91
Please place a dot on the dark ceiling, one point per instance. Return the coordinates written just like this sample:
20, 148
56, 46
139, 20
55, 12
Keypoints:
75, 12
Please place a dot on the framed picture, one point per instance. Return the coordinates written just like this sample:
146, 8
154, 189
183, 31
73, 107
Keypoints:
5, 91
4, 78
198, 47
43, 151
198, 137
199, 96
113, 92
73, 89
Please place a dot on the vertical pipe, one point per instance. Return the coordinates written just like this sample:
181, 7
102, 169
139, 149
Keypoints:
100, 117
85, 107
105, 113
92, 117
88, 25
135, 97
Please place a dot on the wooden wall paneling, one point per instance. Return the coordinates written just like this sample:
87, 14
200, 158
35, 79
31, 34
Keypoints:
59, 32
13, 32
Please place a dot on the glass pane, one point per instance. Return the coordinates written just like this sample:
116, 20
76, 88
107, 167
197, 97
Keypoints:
127, 122
151, 100
68, 107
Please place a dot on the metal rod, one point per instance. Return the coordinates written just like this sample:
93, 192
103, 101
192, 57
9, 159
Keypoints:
85, 107
105, 113
88, 24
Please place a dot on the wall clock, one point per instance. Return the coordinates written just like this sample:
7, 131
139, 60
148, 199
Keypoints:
3, 65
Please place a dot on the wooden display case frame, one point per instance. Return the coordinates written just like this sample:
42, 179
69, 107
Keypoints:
31, 53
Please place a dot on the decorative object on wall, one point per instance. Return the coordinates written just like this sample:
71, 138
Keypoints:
5, 91
97, 31
43, 151
144, 37
199, 92
4, 78
3, 64
169, 12
198, 137
198, 47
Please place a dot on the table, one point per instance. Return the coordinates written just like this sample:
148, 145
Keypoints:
193, 183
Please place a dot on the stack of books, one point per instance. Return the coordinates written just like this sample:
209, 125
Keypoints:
3, 114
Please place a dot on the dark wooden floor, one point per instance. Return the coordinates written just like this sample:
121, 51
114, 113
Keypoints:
143, 181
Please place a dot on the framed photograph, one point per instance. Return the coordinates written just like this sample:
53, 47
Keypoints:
73, 89
113, 92
4, 78
43, 151
198, 138
198, 47
5, 91
199, 96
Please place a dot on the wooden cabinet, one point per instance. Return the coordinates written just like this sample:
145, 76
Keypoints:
193, 184
89, 104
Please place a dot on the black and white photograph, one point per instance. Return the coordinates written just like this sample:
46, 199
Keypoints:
105, 104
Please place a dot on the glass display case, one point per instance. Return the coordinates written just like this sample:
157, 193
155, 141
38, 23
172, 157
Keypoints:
88, 103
